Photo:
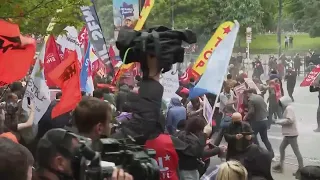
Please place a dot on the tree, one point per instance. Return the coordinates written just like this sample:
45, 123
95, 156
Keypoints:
105, 12
33, 16
305, 14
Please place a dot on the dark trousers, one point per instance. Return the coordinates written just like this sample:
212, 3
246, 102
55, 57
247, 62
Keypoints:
290, 92
261, 127
297, 69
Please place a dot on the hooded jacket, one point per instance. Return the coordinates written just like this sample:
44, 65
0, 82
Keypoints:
288, 123
176, 113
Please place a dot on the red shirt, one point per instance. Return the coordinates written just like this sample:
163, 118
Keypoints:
166, 156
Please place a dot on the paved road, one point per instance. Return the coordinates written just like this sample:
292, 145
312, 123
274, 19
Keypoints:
305, 107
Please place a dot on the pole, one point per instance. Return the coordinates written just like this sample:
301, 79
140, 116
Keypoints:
279, 27
172, 13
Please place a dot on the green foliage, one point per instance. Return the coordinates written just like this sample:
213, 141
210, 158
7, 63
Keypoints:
33, 16
104, 10
203, 16
305, 14
267, 43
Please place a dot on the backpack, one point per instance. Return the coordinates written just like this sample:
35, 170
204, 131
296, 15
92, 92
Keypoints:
310, 173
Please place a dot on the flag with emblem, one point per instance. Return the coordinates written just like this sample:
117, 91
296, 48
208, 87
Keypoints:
16, 53
66, 76
212, 79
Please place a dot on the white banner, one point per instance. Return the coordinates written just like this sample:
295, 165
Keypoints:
70, 41
37, 89
170, 83
207, 109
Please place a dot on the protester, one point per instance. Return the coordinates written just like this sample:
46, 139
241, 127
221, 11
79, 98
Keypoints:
257, 117
176, 113
238, 135
195, 107
290, 133
46, 122
195, 133
291, 78
232, 170
15, 161
12, 125
273, 99
297, 64
227, 98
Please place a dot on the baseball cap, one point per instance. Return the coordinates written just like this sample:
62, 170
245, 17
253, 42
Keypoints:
56, 140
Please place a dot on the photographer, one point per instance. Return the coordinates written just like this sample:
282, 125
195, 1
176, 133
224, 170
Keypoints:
55, 157
92, 118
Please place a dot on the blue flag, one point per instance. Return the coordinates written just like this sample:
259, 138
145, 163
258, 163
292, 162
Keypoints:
212, 79
85, 69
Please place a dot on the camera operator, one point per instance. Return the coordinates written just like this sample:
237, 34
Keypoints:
92, 118
156, 49
15, 161
55, 157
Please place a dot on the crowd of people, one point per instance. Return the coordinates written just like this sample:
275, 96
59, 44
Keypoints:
184, 141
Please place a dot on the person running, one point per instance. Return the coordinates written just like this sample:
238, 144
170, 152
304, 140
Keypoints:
290, 135
258, 118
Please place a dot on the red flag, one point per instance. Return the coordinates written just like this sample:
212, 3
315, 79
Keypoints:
16, 53
66, 76
51, 59
83, 38
112, 56
312, 77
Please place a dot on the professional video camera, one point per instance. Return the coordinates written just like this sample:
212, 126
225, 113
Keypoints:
133, 159
160, 42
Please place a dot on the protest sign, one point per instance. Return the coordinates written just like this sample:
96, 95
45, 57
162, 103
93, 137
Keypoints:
170, 83
207, 109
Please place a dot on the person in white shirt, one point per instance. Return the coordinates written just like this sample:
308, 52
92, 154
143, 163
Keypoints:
227, 98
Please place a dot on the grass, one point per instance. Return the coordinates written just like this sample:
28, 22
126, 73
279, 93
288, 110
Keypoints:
267, 43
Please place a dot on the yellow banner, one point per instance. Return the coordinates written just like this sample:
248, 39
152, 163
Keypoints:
148, 5
202, 60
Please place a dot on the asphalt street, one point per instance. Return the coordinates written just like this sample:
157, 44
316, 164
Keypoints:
305, 107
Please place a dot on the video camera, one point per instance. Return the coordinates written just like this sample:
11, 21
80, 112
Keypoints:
134, 159
160, 42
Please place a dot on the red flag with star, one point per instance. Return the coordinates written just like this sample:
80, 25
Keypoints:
16, 53
66, 76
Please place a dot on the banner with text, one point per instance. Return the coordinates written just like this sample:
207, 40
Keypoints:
202, 60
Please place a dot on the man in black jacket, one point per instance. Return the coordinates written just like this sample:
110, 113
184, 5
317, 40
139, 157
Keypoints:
238, 135
291, 78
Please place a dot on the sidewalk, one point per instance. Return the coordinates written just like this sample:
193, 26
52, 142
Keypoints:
287, 173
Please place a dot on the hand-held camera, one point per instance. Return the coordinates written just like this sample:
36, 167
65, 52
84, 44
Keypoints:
133, 159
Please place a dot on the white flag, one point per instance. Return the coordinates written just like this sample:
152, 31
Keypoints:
37, 89
170, 83
70, 41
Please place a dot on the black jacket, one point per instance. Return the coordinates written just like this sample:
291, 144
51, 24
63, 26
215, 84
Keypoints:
189, 159
235, 146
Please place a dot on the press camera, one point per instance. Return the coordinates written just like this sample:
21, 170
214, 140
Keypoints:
134, 159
